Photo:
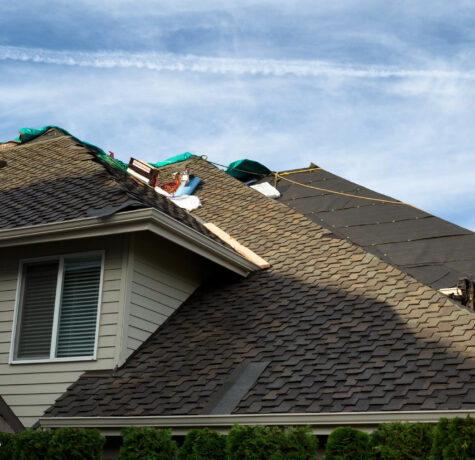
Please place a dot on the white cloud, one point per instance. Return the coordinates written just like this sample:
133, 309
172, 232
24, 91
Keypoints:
220, 65
409, 137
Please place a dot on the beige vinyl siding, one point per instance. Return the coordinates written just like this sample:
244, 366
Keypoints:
163, 276
29, 389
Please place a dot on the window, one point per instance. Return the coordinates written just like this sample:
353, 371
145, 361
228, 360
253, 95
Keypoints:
57, 308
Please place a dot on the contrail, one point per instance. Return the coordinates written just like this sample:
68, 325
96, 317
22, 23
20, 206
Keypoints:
219, 65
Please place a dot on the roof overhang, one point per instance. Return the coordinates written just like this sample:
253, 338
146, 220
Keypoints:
148, 219
321, 423
9, 422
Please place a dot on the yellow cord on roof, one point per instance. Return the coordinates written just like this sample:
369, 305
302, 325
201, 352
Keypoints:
277, 175
280, 176
302, 170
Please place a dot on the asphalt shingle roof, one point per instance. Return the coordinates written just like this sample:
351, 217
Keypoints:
341, 329
55, 178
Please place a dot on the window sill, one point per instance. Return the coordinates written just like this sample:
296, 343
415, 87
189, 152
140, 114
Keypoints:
53, 360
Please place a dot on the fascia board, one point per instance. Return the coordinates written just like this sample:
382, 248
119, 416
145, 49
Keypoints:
75, 228
321, 423
148, 219
201, 244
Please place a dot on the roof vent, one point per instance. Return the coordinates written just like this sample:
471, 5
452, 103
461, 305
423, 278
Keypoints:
3, 163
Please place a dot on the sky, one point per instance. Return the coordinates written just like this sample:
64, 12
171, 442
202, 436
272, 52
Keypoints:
381, 93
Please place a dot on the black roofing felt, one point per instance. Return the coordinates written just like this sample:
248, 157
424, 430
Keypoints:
431, 249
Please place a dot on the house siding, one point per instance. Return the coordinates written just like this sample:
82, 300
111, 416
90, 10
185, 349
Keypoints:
162, 278
29, 389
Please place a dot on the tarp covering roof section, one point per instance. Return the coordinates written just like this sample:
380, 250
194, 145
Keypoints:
172, 160
244, 170
30, 134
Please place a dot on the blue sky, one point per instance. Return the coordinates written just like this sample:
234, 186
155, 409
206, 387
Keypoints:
382, 93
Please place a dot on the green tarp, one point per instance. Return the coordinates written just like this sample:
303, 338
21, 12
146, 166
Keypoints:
244, 170
175, 159
27, 134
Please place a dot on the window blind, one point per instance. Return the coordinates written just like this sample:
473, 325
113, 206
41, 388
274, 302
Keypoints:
78, 306
37, 312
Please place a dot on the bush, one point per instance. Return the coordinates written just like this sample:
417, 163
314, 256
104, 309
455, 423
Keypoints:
253, 443
76, 444
140, 443
347, 443
203, 445
31, 444
6, 446
402, 441
454, 439
298, 443
270, 443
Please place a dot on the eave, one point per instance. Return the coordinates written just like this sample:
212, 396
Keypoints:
148, 219
321, 423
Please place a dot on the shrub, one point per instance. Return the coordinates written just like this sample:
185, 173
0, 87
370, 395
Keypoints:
454, 439
139, 443
347, 443
298, 443
203, 445
31, 444
402, 441
76, 444
270, 443
253, 443
6, 446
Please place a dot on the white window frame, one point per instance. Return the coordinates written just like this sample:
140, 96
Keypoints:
59, 287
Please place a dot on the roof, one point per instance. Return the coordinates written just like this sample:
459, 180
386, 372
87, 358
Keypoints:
9, 422
55, 178
329, 327
430, 249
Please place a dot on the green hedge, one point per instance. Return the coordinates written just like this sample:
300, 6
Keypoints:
142, 443
76, 444
402, 441
203, 444
270, 442
64, 443
251, 442
31, 444
346, 443
298, 443
454, 439
6, 446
